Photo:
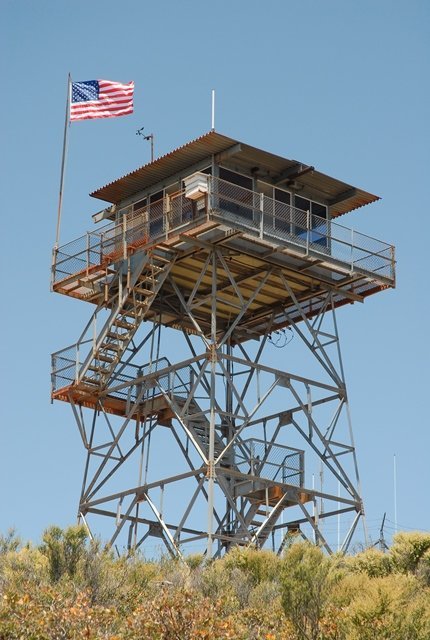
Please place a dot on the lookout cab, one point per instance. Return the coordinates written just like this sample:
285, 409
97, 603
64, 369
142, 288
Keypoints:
207, 259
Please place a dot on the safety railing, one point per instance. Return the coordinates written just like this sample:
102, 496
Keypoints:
237, 207
271, 462
276, 221
129, 381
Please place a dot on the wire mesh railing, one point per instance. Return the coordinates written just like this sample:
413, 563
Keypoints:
237, 207
271, 461
130, 381
270, 219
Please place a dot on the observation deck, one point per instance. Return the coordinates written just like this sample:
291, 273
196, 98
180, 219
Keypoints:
253, 232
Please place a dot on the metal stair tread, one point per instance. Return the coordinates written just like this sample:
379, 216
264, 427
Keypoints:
109, 346
91, 381
101, 370
156, 256
145, 278
123, 324
104, 358
117, 336
145, 292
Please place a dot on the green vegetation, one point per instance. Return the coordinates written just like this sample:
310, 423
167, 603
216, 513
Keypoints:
70, 588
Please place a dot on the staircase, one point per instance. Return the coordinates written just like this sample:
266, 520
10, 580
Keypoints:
260, 519
198, 424
136, 290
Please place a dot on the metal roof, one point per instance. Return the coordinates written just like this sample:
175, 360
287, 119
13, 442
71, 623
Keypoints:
304, 179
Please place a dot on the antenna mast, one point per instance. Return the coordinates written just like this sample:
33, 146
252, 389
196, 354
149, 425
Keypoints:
150, 136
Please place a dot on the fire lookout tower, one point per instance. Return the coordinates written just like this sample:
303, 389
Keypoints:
197, 431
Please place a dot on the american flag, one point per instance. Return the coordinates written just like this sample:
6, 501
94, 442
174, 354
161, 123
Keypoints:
100, 99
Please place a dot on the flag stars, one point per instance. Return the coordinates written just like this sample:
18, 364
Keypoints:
85, 91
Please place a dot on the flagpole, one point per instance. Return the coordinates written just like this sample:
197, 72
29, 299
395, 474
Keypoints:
63, 161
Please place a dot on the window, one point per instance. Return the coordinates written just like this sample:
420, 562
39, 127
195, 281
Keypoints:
140, 205
137, 225
318, 217
282, 196
319, 224
238, 201
156, 209
282, 211
301, 219
319, 210
302, 203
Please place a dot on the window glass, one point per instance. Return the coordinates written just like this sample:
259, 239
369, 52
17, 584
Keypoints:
239, 202
235, 178
139, 205
319, 210
156, 196
282, 196
302, 203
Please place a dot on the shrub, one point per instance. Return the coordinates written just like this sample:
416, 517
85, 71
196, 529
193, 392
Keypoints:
408, 549
423, 568
64, 550
384, 608
10, 542
372, 562
305, 588
259, 565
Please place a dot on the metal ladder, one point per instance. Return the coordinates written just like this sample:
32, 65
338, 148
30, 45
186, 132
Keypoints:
133, 302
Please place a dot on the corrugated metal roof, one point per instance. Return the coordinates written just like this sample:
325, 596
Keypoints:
270, 167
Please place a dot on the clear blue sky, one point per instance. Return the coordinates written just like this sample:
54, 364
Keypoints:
341, 85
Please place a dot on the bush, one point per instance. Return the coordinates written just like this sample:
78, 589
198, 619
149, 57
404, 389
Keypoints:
423, 569
392, 607
258, 565
408, 549
72, 588
305, 587
64, 550
372, 562
10, 542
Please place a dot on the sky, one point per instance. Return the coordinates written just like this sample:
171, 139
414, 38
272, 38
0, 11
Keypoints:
340, 85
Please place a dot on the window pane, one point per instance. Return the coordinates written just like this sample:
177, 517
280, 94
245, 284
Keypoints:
139, 205
302, 203
235, 178
282, 196
156, 196
319, 210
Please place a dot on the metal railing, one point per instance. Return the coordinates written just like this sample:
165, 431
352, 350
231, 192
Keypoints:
234, 206
273, 220
271, 461
127, 381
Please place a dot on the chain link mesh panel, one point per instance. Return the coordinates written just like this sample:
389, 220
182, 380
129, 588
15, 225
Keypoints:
275, 462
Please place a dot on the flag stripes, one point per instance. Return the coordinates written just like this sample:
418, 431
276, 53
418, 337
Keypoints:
100, 99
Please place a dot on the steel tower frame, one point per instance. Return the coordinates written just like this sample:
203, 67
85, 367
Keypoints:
172, 381
218, 427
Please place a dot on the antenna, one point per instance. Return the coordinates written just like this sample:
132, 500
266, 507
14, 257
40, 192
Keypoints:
381, 542
150, 136
213, 110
